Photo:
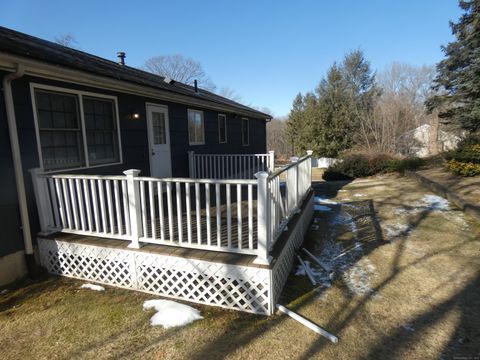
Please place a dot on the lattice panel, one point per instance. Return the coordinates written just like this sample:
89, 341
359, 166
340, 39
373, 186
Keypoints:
95, 263
284, 263
234, 287
228, 286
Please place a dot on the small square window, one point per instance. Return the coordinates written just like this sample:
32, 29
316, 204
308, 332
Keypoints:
222, 128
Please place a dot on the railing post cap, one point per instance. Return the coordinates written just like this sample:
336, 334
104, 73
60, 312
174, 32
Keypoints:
133, 172
261, 175
309, 152
271, 151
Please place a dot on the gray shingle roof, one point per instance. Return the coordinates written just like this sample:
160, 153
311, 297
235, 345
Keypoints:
17, 43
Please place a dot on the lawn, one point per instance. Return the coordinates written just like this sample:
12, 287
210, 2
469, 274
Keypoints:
405, 284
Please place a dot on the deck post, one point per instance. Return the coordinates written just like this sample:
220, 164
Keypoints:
295, 189
271, 164
263, 219
40, 189
310, 153
133, 189
191, 164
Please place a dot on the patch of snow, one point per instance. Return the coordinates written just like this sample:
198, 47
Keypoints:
358, 277
435, 203
321, 200
408, 327
317, 207
396, 230
92, 287
359, 195
314, 227
171, 314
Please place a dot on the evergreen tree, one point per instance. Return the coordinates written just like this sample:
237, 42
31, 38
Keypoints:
326, 122
458, 78
294, 121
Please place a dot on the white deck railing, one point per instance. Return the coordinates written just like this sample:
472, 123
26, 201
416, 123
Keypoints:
240, 216
229, 166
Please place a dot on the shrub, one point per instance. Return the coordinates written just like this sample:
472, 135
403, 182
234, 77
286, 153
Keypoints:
465, 161
352, 166
401, 165
463, 168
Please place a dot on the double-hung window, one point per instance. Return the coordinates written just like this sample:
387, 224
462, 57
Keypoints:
245, 132
75, 130
196, 127
222, 128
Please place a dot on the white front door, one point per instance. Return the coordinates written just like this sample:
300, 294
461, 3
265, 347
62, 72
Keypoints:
159, 141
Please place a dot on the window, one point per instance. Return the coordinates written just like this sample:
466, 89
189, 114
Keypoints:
66, 140
102, 136
222, 128
196, 131
245, 132
158, 125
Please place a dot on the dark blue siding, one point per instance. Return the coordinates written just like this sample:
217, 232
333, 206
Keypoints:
134, 146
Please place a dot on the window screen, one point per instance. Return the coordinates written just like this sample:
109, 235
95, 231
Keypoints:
195, 127
100, 128
60, 131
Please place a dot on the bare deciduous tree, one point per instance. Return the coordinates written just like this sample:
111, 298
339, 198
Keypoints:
399, 109
179, 68
277, 140
67, 40
229, 93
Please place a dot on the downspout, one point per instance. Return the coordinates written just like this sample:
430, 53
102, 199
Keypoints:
17, 164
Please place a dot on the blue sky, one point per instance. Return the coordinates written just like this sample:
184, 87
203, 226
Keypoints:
267, 51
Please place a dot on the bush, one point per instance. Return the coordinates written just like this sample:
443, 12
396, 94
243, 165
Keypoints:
352, 166
401, 165
463, 168
465, 161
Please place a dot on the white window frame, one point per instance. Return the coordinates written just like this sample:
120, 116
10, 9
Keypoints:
248, 131
203, 126
80, 94
225, 126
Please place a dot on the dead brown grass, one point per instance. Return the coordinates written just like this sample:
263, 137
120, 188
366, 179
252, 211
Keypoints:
424, 301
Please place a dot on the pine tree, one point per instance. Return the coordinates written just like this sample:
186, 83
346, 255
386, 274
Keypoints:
458, 80
326, 121
294, 121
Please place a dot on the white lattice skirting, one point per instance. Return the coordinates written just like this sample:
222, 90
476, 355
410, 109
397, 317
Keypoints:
249, 289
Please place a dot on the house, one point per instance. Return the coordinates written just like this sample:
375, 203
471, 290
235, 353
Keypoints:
416, 142
119, 176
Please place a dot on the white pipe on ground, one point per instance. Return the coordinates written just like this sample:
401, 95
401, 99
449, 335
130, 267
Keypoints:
314, 258
308, 323
307, 271
17, 160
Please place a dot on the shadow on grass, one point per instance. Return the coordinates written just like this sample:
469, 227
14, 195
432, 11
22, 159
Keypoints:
298, 292
26, 289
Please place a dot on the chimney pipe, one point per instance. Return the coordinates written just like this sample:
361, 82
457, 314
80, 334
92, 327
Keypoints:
121, 57
196, 85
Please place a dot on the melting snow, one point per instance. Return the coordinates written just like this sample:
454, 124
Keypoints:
171, 314
434, 202
408, 327
359, 195
320, 200
92, 287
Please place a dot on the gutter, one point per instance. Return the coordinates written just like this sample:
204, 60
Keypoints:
17, 164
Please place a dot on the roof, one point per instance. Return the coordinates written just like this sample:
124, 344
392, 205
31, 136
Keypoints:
17, 43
